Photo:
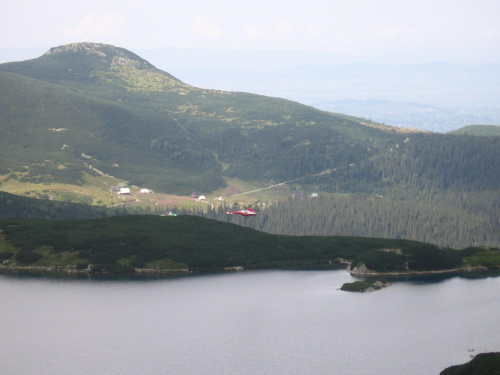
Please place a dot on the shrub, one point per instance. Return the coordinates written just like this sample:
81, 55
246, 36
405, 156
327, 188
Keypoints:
425, 257
28, 256
382, 261
5, 255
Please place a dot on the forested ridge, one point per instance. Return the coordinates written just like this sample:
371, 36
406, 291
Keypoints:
421, 165
454, 219
123, 244
438, 189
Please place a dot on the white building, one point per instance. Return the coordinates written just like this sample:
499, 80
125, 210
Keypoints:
124, 191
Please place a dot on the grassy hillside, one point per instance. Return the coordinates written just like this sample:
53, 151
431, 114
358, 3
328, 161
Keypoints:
52, 135
110, 105
101, 108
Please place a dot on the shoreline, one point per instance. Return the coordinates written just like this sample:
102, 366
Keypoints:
73, 270
367, 273
364, 273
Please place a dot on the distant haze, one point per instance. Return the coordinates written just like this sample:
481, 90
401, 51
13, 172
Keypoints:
434, 96
354, 31
301, 51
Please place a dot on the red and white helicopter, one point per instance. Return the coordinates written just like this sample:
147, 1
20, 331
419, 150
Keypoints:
246, 212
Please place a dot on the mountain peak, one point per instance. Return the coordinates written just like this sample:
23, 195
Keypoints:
88, 62
107, 52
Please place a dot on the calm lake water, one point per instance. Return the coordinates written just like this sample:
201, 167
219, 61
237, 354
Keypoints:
273, 322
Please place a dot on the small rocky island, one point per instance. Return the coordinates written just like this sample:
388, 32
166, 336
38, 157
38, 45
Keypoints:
365, 286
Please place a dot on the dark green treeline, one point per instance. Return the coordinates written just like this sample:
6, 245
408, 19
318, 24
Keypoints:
456, 220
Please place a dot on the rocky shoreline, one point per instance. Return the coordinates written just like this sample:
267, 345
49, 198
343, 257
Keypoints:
363, 271
360, 271
74, 270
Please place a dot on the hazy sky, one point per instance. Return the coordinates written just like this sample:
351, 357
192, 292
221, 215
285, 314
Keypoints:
360, 30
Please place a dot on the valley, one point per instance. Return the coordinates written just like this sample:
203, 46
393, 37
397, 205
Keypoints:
98, 191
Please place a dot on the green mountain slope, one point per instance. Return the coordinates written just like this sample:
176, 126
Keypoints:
120, 110
478, 130
60, 133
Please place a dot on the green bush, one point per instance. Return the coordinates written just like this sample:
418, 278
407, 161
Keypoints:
382, 261
425, 257
5, 255
28, 256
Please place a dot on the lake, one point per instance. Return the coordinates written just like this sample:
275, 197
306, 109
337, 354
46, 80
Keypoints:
267, 322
